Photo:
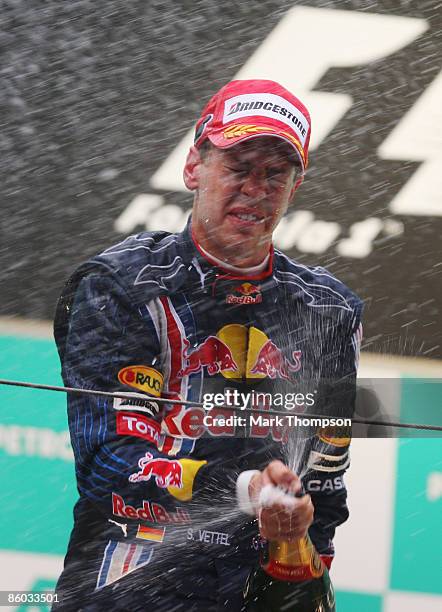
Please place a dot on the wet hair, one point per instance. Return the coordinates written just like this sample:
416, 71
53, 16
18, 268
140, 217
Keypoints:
204, 148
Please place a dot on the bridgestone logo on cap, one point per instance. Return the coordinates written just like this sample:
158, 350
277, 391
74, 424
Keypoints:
267, 105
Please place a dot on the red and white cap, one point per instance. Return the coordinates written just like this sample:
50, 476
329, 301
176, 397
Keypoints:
242, 110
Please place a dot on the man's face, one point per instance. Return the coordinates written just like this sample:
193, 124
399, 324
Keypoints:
241, 195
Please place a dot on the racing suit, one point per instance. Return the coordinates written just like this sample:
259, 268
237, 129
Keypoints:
156, 520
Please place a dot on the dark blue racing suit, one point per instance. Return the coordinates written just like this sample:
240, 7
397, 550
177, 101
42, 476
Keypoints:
156, 525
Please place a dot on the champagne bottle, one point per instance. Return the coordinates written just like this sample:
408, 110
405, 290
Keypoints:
291, 578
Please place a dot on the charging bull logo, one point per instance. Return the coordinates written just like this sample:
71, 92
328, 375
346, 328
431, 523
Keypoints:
167, 472
272, 363
238, 351
248, 289
212, 354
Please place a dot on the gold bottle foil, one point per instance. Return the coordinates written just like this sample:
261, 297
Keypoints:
294, 561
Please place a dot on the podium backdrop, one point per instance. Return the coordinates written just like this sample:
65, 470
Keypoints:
98, 103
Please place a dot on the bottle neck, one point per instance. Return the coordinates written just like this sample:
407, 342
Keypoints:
293, 561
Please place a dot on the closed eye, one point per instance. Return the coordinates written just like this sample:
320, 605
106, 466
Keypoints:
237, 168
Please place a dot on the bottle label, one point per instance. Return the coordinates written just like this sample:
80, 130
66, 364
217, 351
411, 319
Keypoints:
314, 568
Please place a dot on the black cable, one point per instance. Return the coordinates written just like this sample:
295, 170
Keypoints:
146, 398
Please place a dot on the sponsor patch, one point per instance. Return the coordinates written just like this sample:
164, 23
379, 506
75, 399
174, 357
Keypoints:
175, 475
213, 354
208, 537
151, 512
267, 105
237, 352
271, 362
165, 471
190, 470
246, 293
329, 484
142, 377
120, 559
138, 425
152, 534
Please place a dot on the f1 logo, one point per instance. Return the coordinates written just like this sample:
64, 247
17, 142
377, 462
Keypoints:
323, 38
305, 44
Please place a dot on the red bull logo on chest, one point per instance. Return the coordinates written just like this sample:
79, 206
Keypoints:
212, 354
240, 352
272, 363
246, 293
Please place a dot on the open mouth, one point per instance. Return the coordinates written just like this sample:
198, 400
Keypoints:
248, 217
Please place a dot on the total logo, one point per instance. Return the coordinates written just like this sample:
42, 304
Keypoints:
240, 352
167, 472
149, 511
142, 377
246, 293
133, 424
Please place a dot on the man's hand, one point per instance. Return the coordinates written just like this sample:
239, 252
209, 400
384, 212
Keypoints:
281, 520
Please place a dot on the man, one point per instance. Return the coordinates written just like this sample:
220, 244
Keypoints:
210, 310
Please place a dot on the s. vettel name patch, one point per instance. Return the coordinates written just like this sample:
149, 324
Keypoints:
142, 377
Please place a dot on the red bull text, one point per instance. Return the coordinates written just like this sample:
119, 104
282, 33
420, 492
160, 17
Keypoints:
149, 511
248, 294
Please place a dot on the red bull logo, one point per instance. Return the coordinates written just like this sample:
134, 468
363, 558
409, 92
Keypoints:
212, 354
233, 351
248, 294
149, 511
167, 472
271, 362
